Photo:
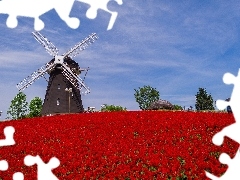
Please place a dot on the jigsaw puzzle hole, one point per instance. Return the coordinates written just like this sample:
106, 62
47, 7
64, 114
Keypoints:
114, 5
228, 78
18, 176
12, 22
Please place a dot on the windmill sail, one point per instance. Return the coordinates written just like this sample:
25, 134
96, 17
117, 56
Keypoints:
34, 76
81, 46
63, 75
50, 48
74, 79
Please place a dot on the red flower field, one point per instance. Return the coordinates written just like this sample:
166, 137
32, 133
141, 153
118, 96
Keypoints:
120, 145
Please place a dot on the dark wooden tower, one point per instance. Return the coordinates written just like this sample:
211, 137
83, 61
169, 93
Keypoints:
61, 96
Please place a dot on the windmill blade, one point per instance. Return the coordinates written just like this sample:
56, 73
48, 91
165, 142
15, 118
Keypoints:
81, 46
84, 69
74, 79
34, 76
50, 48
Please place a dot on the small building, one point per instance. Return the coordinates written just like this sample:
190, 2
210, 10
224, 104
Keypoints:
160, 104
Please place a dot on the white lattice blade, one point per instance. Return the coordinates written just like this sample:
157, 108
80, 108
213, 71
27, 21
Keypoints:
74, 79
34, 76
81, 46
84, 69
50, 48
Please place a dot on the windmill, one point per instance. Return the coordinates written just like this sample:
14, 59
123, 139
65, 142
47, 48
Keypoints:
63, 94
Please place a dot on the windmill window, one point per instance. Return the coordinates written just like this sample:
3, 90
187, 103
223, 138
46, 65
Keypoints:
58, 102
58, 86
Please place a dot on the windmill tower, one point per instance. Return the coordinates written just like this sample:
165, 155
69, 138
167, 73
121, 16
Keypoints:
63, 94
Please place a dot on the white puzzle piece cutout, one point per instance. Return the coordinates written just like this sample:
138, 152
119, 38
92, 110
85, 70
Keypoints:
233, 172
8, 141
8, 132
18, 176
232, 131
36, 8
95, 5
3, 165
44, 171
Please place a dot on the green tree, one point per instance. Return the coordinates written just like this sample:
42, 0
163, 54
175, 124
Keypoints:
145, 96
204, 101
18, 107
110, 108
177, 107
35, 107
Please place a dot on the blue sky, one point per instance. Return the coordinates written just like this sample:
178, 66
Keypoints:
173, 46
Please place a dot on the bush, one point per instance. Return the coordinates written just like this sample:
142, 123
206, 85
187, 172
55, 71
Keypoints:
110, 108
177, 107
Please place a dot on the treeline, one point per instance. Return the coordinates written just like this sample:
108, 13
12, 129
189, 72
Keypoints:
20, 108
147, 97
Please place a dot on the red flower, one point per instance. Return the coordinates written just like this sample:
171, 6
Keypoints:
141, 144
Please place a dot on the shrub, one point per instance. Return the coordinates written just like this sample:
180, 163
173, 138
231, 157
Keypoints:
109, 108
177, 107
